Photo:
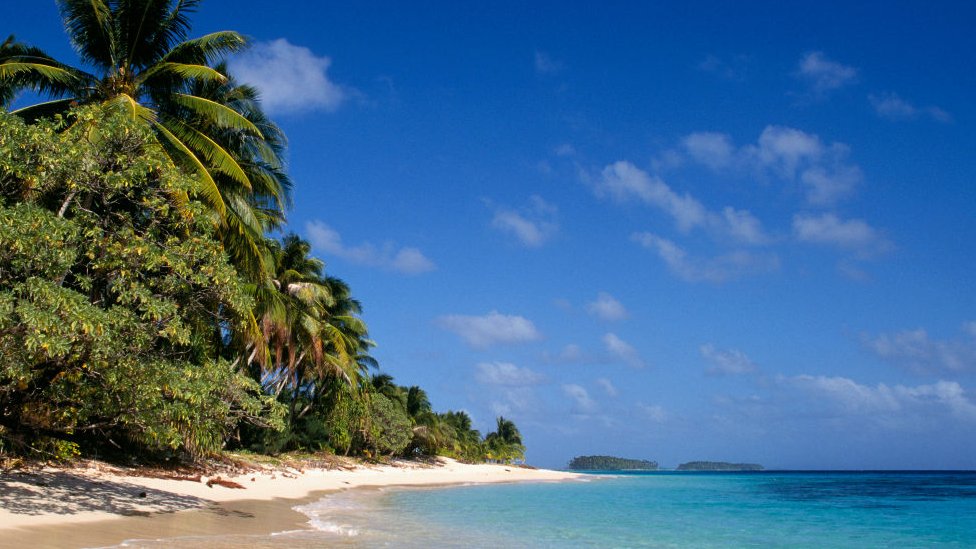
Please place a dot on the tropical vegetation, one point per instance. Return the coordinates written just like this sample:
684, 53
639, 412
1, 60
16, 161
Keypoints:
611, 463
718, 466
145, 306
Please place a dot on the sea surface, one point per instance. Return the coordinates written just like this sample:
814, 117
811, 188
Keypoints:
655, 509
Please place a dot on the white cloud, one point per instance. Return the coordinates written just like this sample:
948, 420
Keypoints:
887, 403
506, 374
728, 362
545, 64
788, 154
532, 225
711, 149
607, 386
826, 185
290, 78
915, 350
824, 75
828, 229
892, 107
796, 155
494, 328
741, 226
407, 260
606, 307
716, 270
654, 412
580, 397
411, 261
513, 400
622, 182
784, 149
621, 350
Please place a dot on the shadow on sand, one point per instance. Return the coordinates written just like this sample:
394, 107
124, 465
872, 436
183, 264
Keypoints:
64, 493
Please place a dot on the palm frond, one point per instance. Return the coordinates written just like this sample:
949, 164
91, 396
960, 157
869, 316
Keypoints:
175, 71
11, 69
221, 115
137, 26
89, 26
26, 67
217, 156
130, 107
208, 189
43, 110
242, 238
207, 49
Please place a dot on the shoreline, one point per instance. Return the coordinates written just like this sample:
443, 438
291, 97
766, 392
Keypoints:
98, 505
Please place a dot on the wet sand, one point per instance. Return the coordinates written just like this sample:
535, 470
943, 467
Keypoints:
241, 518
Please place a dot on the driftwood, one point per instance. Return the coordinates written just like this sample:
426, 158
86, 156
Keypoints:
225, 483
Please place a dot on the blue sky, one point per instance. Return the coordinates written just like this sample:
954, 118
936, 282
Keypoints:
730, 231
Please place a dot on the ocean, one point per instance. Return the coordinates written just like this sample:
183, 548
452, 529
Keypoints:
652, 509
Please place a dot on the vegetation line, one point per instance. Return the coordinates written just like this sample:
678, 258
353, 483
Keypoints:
144, 309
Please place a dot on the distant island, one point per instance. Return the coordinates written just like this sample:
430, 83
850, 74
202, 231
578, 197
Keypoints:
610, 463
718, 466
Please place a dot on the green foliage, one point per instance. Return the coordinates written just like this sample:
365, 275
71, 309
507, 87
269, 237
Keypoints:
344, 422
467, 445
505, 443
141, 302
389, 430
113, 293
145, 68
718, 466
610, 463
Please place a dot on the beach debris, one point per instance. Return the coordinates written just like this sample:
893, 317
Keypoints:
225, 483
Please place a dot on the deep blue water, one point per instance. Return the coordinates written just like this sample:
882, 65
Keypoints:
660, 509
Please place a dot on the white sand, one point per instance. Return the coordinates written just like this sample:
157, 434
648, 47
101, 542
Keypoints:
96, 493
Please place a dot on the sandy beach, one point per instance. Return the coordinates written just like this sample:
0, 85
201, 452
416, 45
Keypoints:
97, 505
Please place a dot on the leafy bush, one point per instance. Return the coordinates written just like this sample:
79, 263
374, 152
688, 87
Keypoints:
389, 429
111, 280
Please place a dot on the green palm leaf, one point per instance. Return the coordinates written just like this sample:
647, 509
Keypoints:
42, 110
208, 187
89, 25
208, 48
11, 69
218, 157
222, 115
181, 71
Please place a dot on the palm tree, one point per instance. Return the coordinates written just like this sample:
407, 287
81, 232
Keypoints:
383, 384
505, 442
144, 65
255, 210
418, 404
310, 333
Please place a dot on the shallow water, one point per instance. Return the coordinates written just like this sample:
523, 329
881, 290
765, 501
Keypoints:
768, 509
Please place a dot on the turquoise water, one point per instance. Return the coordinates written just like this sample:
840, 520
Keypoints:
769, 509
